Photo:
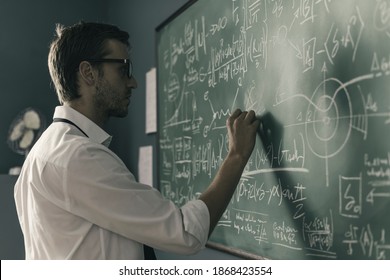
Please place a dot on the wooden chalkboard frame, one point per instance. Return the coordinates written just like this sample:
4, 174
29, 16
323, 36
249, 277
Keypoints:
233, 251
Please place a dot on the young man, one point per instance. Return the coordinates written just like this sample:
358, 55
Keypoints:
75, 198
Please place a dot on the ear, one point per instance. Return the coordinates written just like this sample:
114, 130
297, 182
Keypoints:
88, 73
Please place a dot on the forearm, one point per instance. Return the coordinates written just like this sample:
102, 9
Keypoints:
242, 128
221, 190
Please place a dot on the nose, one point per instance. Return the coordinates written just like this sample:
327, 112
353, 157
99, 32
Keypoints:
132, 82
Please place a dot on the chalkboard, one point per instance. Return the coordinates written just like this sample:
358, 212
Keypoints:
317, 73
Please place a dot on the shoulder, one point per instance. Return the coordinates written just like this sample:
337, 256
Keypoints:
63, 146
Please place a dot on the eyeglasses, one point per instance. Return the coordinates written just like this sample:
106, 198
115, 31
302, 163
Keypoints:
116, 60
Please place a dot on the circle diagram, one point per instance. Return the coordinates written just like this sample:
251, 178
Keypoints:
329, 118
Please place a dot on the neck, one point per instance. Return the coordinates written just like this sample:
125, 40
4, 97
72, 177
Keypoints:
97, 117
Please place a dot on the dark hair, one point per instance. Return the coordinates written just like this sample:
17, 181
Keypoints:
74, 44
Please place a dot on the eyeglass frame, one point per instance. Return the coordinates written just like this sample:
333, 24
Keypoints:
116, 60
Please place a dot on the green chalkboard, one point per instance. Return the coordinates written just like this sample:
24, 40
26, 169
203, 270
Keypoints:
317, 73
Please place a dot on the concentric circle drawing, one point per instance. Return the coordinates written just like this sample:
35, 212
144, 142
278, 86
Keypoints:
329, 118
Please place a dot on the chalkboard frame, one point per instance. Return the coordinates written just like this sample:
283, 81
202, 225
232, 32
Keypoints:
171, 18
234, 251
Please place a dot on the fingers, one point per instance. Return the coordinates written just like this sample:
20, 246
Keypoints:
248, 117
236, 113
243, 122
242, 127
233, 117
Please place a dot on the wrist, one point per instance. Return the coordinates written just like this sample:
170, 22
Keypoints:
237, 158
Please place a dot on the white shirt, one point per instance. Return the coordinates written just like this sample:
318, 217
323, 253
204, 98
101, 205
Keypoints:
77, 200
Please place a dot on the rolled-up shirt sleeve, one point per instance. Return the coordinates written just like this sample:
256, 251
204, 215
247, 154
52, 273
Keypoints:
100, 189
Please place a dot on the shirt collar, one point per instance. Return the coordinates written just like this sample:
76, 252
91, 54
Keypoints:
94, 132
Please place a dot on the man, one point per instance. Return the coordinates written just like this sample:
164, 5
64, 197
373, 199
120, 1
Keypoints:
75, 198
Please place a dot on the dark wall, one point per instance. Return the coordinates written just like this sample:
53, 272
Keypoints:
26, 29
11, 237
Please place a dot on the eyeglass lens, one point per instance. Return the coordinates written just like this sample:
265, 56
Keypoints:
130, 69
